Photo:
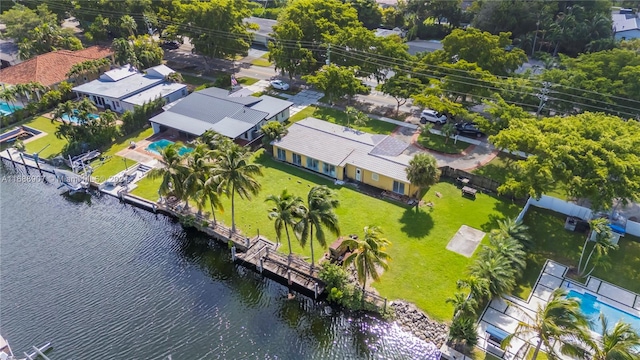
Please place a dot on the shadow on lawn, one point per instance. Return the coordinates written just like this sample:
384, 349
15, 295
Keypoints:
416, 225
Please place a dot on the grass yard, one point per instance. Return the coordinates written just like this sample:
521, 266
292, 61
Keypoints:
552, 241
195, 80
111, 164
246, 81
261, 62
502, 167
437, 143
55, 145
422, 270
339, 117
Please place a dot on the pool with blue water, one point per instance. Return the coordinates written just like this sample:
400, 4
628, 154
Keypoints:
592, 308
74, 118
8, 109
156, 147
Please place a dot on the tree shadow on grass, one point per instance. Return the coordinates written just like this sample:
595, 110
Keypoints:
416, 225
504, 209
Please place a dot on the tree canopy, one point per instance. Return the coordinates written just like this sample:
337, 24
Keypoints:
337, 81
141, 51
597, 157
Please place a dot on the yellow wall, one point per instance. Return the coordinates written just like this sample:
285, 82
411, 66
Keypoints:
384, 182
303, 163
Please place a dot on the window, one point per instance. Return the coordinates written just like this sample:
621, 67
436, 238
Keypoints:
329, 170
282, 154
297, 159
398, 187
312, 164
374, 177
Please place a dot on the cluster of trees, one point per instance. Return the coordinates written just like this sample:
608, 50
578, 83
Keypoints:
138, 119
141, 51
37, 97
89, 69
37, 31
87, 132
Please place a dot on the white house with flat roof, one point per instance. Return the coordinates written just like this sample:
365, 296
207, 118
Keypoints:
123, 88
626, 25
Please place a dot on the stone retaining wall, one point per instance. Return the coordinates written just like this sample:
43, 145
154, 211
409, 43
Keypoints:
413, 320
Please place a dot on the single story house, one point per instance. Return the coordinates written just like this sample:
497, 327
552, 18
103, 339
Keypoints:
234, 116
342, 153
381, 32
419, 46
262, 35
626, 26
123, 88
51, 69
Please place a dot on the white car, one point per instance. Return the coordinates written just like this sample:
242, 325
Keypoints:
280, 85
432, 116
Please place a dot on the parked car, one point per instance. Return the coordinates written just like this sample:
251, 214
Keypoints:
432, 116
469, 128
170, 45
280, 85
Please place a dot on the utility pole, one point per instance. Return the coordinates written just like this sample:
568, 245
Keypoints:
542, 95
328, 55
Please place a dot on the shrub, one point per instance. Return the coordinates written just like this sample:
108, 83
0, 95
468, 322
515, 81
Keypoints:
333, 276
223, 81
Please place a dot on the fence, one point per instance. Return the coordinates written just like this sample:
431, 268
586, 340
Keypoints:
477, 181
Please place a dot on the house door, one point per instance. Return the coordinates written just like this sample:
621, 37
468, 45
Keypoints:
358, 174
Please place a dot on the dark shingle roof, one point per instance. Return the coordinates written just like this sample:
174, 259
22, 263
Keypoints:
212, 110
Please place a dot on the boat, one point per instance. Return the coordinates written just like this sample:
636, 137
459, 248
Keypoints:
38, 353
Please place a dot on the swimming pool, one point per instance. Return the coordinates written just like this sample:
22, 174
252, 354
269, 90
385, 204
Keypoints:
7, 109
592, 308
156, 147
74, 119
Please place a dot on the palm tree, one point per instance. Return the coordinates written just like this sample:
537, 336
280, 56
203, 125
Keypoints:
215, 141
560, 320
513, 251
422, 172
285, 213
496, 269
237, 175
37, 89
620, 343
211, 192
128, 23
603, 237
359, 118
447, 130
198, 169
271, 131
21, 91
463, 304
367, 254
65, 108
511, 228
319, 214
9, 95
351, 113
462, 333
174, 77
172, 173
478, 288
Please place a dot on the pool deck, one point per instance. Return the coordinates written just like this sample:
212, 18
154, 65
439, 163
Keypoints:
505, 314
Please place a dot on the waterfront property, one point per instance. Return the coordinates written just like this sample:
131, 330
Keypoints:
236, 117
8, 109
157, 147
124, 88
422, 271
51, 69
343, 153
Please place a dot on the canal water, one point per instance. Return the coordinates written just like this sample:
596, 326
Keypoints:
104, 280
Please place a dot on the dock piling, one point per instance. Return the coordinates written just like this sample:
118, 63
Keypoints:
11, 158
315, 290
261, 268
289, 276
24, 163
233, 253
38, 164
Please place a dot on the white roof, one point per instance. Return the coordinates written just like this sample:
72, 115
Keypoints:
119, 73
159, 71
153, 93
338, 145
272, 105
624, 22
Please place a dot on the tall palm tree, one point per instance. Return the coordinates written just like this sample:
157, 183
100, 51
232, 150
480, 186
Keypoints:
211, 192
560, 320
620, 343
8, 94
462, 304
128, 23
511, 250
368, 254
65, 108
37, 89
174, 77
198, 165
422, 172
602, 244
511, 228
272, 130
478, 288
285, 213
237, 175
496, 269
172, 173
215, 141
318, 214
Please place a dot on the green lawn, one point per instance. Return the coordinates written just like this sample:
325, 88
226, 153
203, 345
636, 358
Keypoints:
55, 145
437, 142
552, 241
502, 167
110, 164
195, 80
260, 62
422, 270
339, 117
246, 81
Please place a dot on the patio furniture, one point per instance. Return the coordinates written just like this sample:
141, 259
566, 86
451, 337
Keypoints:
470, 192
463, 180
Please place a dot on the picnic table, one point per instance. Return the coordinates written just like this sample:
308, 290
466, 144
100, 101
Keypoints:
468, 191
